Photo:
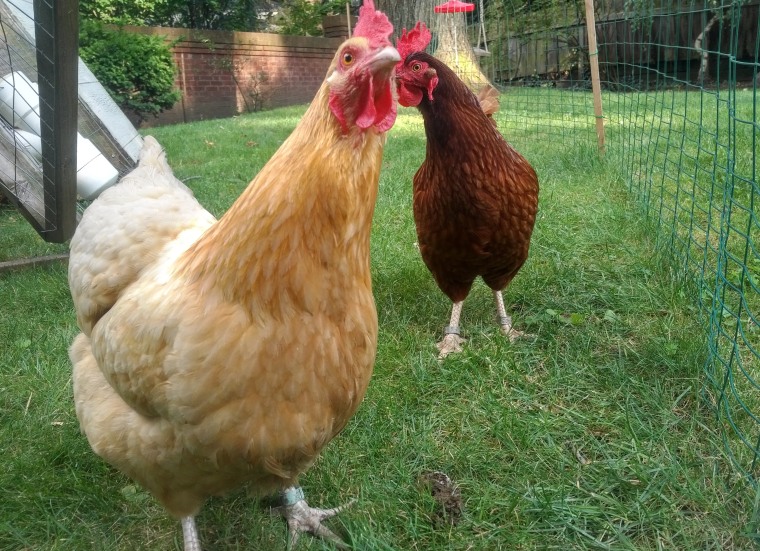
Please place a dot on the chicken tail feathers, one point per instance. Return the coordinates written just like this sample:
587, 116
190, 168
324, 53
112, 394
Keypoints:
152, 152
489, 99
152, 166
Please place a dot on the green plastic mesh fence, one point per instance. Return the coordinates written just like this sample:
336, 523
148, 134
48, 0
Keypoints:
679, 82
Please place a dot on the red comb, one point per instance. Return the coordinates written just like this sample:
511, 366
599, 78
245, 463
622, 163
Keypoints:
373, 25
415, 40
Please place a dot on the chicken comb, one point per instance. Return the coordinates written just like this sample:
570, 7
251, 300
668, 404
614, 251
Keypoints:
415, 40
373, 25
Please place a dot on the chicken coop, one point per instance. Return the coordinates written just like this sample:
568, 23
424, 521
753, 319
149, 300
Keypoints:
62, 139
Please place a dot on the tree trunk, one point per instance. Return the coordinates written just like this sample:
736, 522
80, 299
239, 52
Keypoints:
700, 44
404, 14
450, 37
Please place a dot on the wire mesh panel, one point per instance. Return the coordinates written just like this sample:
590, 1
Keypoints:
680, 83
687, 120
734, 366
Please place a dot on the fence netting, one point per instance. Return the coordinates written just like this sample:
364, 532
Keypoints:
680, 82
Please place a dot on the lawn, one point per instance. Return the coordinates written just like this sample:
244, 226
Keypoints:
590, 436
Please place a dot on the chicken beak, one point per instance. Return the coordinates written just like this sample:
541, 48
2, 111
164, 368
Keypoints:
432, 76
384, 61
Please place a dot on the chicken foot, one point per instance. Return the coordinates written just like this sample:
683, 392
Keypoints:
190, 534
302, 518
505, 320
452, 341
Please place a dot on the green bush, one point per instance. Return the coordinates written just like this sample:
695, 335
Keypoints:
137, 70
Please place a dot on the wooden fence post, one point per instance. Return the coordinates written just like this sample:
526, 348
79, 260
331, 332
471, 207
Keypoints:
56, 31
593, 54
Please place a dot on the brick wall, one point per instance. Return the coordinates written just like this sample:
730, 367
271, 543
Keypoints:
225, 73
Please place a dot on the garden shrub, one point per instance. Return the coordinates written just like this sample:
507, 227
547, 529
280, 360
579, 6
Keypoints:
137, 70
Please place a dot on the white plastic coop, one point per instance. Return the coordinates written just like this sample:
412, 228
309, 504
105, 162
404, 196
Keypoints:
20, 105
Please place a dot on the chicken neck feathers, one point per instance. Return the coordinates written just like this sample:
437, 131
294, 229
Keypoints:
316, 219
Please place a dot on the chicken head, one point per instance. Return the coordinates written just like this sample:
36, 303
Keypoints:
414, 77
361, 93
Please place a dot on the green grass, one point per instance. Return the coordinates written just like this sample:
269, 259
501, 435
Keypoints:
592, 436
696, 178
689, 159
18, 241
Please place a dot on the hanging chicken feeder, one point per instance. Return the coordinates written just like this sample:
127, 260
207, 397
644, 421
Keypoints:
452, 7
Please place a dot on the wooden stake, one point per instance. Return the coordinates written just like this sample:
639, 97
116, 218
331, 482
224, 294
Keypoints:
593, 54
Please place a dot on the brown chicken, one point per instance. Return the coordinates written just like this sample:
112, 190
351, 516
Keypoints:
475, 198
220, 354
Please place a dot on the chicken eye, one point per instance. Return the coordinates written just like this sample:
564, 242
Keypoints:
416, 67
348, 58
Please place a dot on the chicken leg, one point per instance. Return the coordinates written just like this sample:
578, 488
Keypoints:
190, 534
505, 320
452, 341
302, 518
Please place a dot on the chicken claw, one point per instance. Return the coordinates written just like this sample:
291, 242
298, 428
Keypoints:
505, 321
512, 334
302, 518
451, 342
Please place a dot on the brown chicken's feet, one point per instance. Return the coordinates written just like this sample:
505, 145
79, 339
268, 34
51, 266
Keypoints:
302, 518
510, 332
451, 342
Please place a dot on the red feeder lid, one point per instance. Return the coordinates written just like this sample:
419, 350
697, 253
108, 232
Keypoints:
454, 6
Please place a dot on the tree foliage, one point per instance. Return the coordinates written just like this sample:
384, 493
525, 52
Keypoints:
296, 16
302, 17
126, 12
225, 15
